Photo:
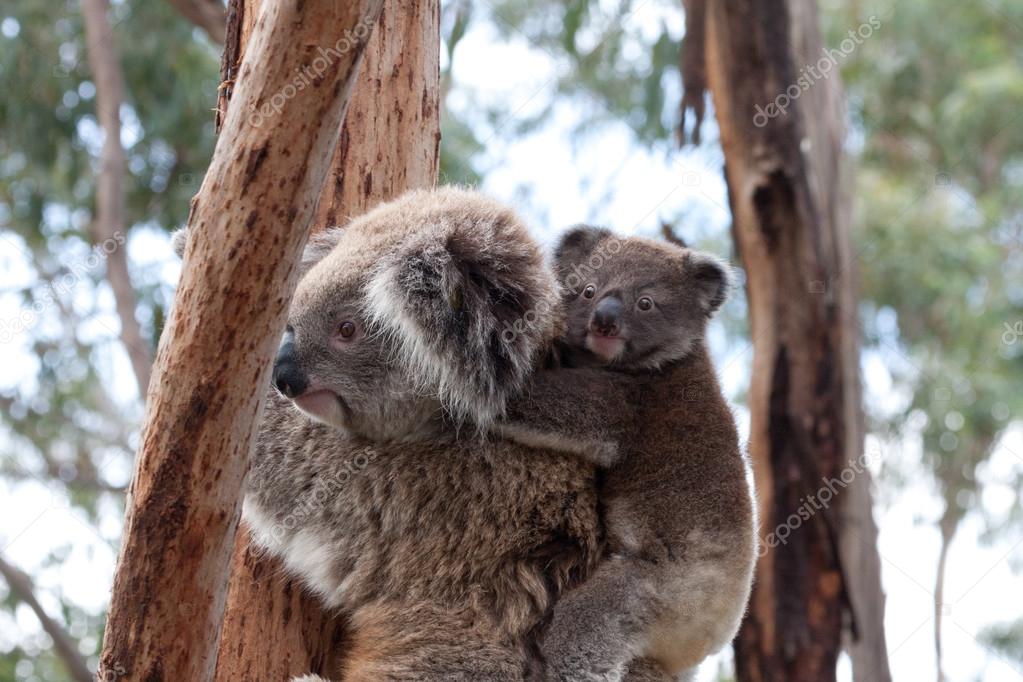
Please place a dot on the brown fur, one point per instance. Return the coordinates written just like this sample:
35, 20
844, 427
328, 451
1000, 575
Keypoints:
679, 509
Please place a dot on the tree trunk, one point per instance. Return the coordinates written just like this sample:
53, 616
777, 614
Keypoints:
109, 225
389, 143
948, 526
247, 228
791, 229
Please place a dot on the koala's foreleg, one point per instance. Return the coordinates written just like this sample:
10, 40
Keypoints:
584, 412
599, 628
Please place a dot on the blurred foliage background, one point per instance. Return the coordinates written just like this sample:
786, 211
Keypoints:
935, 109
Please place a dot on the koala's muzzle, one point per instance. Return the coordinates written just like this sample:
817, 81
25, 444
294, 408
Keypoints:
288, 377
607, 317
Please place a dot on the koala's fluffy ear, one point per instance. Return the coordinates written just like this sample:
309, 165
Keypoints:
711, 279
318, 246
472, 306
576, 244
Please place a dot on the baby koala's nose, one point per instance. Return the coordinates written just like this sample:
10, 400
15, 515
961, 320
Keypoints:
607, 317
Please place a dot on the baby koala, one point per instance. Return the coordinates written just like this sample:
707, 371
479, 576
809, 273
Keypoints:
640, 397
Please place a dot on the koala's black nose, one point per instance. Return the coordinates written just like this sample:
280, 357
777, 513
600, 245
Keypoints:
288, 377
607, 317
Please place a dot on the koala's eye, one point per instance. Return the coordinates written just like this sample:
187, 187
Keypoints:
347, 329
590, 291
645, 303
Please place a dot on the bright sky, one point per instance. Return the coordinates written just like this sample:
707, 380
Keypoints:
608, 180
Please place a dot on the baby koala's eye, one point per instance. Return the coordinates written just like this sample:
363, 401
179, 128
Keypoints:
590, 291
347, 329
645, 303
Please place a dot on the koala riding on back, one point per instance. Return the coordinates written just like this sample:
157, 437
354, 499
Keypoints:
640, 398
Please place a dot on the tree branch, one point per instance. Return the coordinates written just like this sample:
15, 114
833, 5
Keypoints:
64, 645
209, 15
110, 222
247, 228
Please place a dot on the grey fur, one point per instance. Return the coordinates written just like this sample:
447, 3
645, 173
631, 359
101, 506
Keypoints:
679, 509
445, 548
179, 240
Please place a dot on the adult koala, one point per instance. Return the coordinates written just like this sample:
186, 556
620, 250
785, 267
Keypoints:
374, 480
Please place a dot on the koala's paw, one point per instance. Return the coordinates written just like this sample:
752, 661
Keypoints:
308, 678
644, 670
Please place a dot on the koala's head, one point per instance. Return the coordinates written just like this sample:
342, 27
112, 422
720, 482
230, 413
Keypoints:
636, 303
437, 301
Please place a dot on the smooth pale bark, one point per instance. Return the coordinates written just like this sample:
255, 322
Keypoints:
389, 143
248, 225
110, 224
948, 526
787, 188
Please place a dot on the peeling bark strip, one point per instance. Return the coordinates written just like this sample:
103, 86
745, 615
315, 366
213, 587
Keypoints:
230, 60
247, 225
791, 229
272, 629
693, 67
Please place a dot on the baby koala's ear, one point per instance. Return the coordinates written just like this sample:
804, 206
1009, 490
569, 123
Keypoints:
577, 243
318, 246
711, 279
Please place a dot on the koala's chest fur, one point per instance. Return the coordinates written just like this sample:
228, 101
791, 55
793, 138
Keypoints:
489, 526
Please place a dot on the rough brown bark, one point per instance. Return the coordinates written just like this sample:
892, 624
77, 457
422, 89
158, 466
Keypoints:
248, 225
791, 228
63, 644
109, 225
693, 66
389, 143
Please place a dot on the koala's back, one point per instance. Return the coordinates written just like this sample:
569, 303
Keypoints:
686, 449
489, 529
681, 500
